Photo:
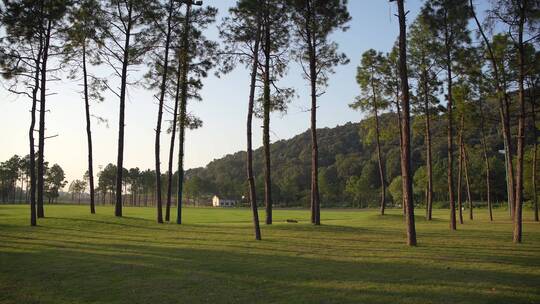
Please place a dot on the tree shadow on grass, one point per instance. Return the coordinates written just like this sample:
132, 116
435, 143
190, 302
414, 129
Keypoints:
136, 273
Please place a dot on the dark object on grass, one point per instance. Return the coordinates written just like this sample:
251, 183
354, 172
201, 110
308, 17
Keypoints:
292, 221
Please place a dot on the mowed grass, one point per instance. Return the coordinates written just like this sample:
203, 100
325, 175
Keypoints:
354, 257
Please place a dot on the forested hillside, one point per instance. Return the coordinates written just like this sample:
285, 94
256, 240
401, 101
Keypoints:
348, 165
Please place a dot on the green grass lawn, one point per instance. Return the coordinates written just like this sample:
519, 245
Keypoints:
354, 257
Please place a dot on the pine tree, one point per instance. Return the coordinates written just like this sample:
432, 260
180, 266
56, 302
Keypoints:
315, 20
448, 21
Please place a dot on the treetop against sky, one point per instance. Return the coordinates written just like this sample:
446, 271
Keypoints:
222, 109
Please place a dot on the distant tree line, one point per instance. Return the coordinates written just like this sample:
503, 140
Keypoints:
15, 180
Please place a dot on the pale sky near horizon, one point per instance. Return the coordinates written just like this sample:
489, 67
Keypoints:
223, 108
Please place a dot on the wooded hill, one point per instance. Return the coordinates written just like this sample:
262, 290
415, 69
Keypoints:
348, 164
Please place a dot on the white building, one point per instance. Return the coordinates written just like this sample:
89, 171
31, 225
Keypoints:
219, 202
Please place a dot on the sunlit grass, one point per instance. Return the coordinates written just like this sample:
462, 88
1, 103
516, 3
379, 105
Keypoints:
354, 257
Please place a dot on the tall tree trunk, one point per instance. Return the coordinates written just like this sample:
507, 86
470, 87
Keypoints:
88, 133
31, 130
450, 149
467, 181
429, 169
521, 127
183, 111
266, 120
121, 124
460, 173
312, 53
511, 179
249, 158
505, 121
380, 160
398, 110
406, 174
486, 161
535, 156
160, 115
171, 150
42, 110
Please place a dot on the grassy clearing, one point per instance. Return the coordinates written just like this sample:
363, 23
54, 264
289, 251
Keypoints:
355, 257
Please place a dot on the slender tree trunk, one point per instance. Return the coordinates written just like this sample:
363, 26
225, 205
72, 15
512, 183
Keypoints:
171, 150
521, 128
398, 110
467, 181
183, 111
429, 169
450, 149
460, 173
315, 161
88, 133
42, 110
121, 124
486, 161
249, 158
535, 156
160, 115
32, 161
505, 121
406, 174
266, 121
380, 160
312, 53
511, 179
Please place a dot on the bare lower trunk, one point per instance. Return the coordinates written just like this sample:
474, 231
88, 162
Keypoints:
183, 112
398, 110
406, 172
467, 181
171, 150
315, 198
460, 173
32, 168
312, 53
517, 235
535, 194
121, 124
429, 191
486, 161
501, 94
249, 158
42, 110
160, 116
88, 134
180, 185
266, 125
380, 161
535, 157
450, 153
511, 179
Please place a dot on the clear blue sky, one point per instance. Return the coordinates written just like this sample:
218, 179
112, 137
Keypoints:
223, 108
